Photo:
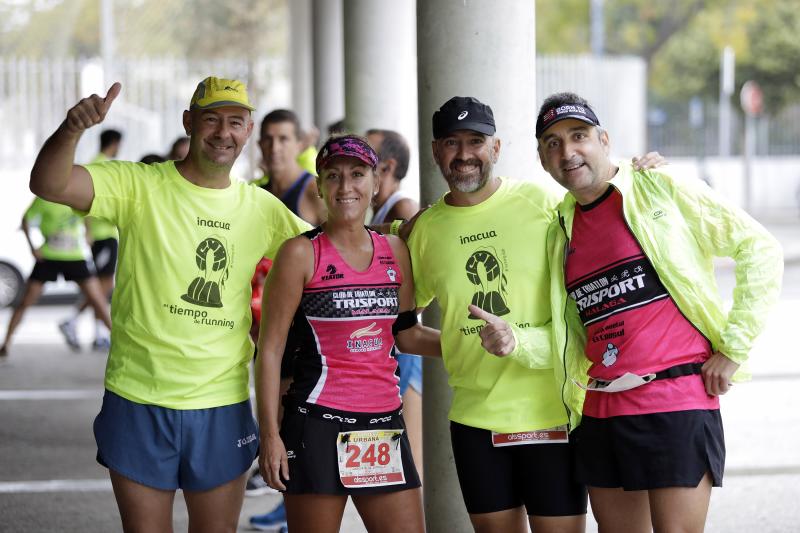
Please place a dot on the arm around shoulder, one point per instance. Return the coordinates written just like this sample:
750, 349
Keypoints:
404, 209
416, 339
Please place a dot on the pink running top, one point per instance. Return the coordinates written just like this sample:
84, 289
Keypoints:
344, 328
632, 324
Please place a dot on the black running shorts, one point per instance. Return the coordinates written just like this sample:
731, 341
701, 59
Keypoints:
539, 476
652, 451
310, 442
48, 270
104, 253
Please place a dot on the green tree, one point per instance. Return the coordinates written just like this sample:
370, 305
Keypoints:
775, 49
562, 27
194, 29
682, 41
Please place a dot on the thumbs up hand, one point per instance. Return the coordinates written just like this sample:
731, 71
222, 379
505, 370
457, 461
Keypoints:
497, 337
91, 110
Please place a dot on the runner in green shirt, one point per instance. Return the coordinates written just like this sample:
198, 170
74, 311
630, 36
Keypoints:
176, 412
104, 241
64, 253
480, 252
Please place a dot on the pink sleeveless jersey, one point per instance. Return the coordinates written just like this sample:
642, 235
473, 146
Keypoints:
344, 328
632, 324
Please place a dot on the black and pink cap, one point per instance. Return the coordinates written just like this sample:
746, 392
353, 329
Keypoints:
564, 111
347, 146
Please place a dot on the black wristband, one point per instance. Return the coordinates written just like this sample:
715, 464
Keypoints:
405, 320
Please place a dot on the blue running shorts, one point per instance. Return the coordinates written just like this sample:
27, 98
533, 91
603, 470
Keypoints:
410, 372
169, 449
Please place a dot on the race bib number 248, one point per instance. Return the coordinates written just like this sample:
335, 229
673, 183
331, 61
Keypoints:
370, 458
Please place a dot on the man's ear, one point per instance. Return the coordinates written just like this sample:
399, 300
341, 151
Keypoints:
435, 152
187, 122
542, 159
496, 149
391, 166
605, 142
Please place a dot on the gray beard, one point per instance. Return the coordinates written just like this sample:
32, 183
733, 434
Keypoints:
468, 184
471, 183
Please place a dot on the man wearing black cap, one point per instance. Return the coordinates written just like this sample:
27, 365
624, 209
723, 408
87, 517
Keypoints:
635, 304
483, 244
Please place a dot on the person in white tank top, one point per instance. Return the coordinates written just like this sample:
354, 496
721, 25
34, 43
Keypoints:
393, 157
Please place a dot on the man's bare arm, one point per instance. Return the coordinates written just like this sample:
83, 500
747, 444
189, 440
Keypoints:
54, 176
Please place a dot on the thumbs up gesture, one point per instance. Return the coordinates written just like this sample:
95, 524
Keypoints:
496, 336
91, 110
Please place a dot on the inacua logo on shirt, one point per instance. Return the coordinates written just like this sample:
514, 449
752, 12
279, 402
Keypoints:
213, 262
358, 344
485, 273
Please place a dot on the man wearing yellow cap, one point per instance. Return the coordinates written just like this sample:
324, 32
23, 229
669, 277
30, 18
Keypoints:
175, 412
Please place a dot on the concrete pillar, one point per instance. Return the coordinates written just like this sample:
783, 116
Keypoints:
328, 63
107, 42
380, 71
300, 67
486, 50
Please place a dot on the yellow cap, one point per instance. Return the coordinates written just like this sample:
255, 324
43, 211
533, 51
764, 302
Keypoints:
219, 92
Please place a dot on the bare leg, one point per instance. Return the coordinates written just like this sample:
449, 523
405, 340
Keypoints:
617, 510
412, 414
106, 286
509, 521
94, 295
314, 513
216, 510
681, 509
558, 524
142, 508
33, 289
399, 512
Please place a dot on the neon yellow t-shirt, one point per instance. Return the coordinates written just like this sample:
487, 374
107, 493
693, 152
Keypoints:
100, 229
62, 229
307, 161
181, 306
492, 255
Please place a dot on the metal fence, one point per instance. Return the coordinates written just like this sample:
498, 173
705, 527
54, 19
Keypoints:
672, 131
35, 95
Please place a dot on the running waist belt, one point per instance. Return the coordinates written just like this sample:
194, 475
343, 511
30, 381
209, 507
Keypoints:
677, 371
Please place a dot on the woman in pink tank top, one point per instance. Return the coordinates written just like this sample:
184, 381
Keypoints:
346, 295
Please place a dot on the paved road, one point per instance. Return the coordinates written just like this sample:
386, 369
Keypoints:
49, 480
49, 396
